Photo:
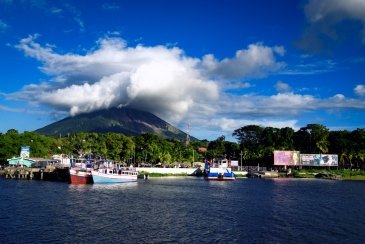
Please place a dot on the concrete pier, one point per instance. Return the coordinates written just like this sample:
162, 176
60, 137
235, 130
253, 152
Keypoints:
48, 173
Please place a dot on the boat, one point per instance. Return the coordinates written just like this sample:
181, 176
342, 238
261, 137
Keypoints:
80, 176
80, 173
113, 175
219, 170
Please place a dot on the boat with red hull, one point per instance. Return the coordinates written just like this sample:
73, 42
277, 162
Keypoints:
81, 176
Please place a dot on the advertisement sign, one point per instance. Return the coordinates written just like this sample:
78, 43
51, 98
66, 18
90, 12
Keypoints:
24, 151
234, 163
319, 159
286, 158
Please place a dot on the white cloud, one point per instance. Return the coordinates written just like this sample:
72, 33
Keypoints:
339, 97
157, 79
164, 81
360, 90
281, 86
256, 61
225, 126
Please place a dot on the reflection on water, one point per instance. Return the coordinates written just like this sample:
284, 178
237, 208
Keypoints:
114, 186
79, 187
183, 210
107, 186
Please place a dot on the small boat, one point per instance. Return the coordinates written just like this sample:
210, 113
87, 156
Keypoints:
80, 176
80, 173
220, 170
112, 175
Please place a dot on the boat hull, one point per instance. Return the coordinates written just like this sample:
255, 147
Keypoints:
101, 178
219, 170
220, 178
220, 174
78, 176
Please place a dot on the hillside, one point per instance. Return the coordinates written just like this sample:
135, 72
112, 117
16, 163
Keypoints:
118, 120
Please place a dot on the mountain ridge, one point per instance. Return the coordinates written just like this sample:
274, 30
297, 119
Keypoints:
124, 120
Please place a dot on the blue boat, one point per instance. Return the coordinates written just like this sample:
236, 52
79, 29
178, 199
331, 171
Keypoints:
112, 175
219, 170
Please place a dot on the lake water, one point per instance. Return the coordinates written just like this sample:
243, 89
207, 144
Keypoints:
183, 210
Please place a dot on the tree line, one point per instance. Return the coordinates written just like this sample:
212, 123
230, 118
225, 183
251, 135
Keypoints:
255, 145
258, 143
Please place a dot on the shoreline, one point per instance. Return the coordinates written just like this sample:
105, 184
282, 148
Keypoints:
306, 174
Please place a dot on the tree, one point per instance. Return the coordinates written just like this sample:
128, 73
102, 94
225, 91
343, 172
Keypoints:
312, 139
216, 148
250, 137
286, 138
339, 143
358, 138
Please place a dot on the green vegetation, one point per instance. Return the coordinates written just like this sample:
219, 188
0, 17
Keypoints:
258, 143
351, 174
146, 149
345, 174
255, 146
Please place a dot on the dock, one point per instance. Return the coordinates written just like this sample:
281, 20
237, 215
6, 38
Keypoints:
51, 173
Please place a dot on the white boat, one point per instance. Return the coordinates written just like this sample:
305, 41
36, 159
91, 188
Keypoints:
219, 170
112, 175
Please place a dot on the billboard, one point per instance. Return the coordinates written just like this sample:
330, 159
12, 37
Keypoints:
234, 163
24, 151
319, 159
286, 158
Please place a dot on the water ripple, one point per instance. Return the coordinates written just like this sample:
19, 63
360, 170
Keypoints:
183, 210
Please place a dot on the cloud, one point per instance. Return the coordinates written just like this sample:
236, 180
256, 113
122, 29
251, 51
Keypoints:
158, 79
360, 90
229, 125
279, 110
325, 18
59, 9
110, 6
166, 82
73, 11
256, 61
280, 86
310, 67
3, 25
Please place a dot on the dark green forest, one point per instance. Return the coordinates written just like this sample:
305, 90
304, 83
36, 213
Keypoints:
255, 145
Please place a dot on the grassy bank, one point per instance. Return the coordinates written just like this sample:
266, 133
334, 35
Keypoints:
345, 174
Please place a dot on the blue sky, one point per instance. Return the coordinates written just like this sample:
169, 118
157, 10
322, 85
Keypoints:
213, 65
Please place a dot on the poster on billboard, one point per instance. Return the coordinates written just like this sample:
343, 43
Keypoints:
234, 163
24, 151
319, 159
286, 158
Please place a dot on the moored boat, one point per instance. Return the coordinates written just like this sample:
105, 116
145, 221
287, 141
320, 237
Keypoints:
219, 170
80, 172
80, 176
112, 175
